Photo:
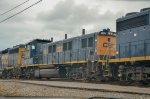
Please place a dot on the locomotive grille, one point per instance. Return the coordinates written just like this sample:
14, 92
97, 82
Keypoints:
133, 22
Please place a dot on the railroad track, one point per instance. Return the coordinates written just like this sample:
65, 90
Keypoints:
123, 83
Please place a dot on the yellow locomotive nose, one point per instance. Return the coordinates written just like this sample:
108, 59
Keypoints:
104, 42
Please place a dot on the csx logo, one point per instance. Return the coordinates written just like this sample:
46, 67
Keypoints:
105, 44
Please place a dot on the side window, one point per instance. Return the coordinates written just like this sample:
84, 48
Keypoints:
64, 46
84, 43
90, 42
33, 47
49, 49
70, 45
67, 46
54, 48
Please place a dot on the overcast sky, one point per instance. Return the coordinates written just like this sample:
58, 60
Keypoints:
54, 18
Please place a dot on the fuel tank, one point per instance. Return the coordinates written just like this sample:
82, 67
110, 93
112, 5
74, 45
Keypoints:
46, 73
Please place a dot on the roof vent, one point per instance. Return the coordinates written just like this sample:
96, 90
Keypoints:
145, 9
131, 13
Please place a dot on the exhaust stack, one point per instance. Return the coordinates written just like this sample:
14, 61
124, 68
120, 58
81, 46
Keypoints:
51, 39
65, 36
83, 31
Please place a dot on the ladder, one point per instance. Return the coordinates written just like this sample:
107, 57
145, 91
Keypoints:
106, 67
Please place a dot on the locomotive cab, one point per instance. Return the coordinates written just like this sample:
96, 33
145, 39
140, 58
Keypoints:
106, 43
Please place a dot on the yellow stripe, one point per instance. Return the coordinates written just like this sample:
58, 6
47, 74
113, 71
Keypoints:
101, 61
72, 62
147, 57
130, 59
34, 65
54, 63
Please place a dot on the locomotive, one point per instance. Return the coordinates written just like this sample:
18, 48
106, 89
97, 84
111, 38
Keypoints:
133, 44
105, 55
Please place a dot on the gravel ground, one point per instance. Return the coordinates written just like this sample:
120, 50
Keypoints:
15, 88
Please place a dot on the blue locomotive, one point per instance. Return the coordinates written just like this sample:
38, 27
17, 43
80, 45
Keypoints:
122, 55
133, 44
